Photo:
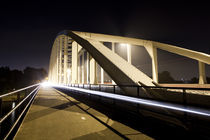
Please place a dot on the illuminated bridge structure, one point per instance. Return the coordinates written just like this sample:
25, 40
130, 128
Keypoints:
73, 82
75, 55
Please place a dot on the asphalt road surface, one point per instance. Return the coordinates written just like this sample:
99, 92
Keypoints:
55, 115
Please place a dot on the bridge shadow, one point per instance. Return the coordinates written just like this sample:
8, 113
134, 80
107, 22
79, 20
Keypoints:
96, 118
106, 135
149, 126
49, 110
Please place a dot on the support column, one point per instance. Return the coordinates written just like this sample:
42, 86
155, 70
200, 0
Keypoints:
83, 68
102, 75
92, 71
154, 65
60, 60
153, 54
88, 68
202, 73
79, 66
57, 66
53, 64
79, 69
129, 53
65, 60
74, 63
113, 50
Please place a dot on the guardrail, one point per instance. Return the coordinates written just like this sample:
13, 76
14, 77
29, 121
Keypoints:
191, 109
23, 98
186, 108
183, 94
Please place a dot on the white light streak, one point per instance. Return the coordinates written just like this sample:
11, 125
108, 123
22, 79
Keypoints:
172, 106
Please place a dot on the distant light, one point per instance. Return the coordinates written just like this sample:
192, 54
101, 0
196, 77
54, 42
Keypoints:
13, 104
83, 118
124, 44
45, 84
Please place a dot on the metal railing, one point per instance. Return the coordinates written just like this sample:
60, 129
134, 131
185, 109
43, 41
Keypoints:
23, 98
183, 95
179, 97
188, 108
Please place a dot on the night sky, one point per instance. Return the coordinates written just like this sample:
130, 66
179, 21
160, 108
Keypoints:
29, 29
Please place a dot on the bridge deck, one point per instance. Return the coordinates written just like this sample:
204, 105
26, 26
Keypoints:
54, 115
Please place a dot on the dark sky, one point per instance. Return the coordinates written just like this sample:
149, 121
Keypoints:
29, 29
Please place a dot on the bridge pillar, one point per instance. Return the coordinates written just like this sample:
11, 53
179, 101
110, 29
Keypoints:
153, 54
80, 64
83, 68
65, 53
102, 75
129, 53
60, 60
92, 71
57, 66
53, 68
202, 74
74, 63
88, 68
79, 69
113, 50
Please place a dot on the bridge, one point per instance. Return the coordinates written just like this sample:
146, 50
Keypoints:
93, 93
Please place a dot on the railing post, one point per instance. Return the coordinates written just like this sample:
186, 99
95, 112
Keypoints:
137, 91
185, 103
90, 86
114, 89
99, 87
138, 97
82, 85
184, 97
0, 108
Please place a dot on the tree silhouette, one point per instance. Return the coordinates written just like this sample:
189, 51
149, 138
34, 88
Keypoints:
165, 77
15, 79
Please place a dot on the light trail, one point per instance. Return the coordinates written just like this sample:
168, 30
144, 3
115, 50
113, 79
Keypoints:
173, 106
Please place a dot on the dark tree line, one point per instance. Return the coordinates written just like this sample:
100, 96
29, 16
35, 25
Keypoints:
15, 79
165, 77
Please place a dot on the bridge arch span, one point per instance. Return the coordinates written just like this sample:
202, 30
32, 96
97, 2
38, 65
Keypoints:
69, 47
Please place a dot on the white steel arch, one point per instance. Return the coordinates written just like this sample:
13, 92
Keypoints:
68, 60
